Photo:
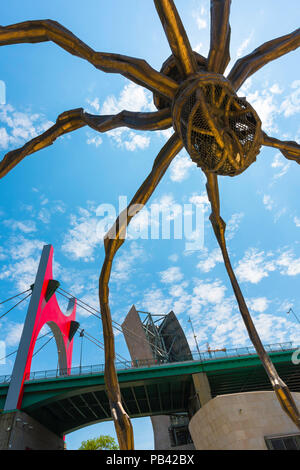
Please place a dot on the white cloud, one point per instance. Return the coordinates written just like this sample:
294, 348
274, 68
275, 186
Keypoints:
233, 224
24, 248
215, 317
2, 254
210, 261
297, 221
277, 161
132, 98
246, 87
279, 213
198, 48
128, 139
264, 104
14, 334
95, 140
199, 199
201, 17
243, 46
154, 301
291, 105
136, 141
4, 138
212, 292
94, 104
173, 258
258, 304
44, 215
285, 306
180, 168
268, 202
20, 126
83, 236
254, 266
171, 275
276, 89
280, 163
166, 133
283, 170
25, 255
125, 261
26, 226
288, 263
201, 23
272, 102
274, 329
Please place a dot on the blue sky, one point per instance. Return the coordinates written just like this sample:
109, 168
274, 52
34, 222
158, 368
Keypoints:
54, 195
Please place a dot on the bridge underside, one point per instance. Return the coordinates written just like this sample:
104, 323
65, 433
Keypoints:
91, 405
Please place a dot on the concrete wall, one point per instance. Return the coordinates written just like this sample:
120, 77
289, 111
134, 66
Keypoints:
160, 426
18, 431
240, 421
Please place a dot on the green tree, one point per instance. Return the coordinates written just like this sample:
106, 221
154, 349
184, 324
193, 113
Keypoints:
99, 443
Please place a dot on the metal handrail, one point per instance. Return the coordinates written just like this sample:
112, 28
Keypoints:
140, 363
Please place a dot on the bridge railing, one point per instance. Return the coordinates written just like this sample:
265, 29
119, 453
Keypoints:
245, 351
135, 364
5, 379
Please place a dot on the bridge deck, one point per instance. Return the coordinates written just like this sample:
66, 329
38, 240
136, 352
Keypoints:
66, 403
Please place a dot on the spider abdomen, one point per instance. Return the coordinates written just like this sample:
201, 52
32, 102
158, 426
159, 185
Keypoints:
220, 131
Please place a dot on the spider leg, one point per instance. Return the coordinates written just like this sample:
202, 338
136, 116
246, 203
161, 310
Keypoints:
137, 70
112, 242
290, 149
76, 118
283, 394
219, 55
177, 37
261, 56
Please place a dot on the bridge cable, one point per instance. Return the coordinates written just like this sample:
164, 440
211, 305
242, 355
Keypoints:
14, 352
43, 346
15, 305
92, 313
101, 345
17, 295
78, 300
132, 333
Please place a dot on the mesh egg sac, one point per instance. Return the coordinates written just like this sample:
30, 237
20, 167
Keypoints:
220, 131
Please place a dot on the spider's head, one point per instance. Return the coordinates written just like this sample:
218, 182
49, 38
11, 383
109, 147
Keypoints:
220, 131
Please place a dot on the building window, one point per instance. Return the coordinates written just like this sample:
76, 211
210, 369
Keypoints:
283, 442
179, 431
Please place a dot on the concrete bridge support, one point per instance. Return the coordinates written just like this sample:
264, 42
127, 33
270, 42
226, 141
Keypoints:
18, 431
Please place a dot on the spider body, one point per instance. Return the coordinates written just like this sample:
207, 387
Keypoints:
220, 131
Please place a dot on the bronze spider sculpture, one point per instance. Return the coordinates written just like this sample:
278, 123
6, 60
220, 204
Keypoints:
220, 131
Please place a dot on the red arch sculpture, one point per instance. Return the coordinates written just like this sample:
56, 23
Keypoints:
43, 309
